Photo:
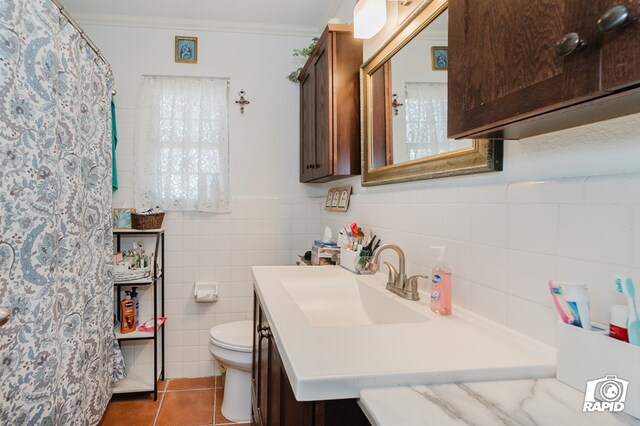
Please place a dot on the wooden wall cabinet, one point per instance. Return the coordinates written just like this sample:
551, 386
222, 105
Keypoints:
330, 107
273, 400
506, 80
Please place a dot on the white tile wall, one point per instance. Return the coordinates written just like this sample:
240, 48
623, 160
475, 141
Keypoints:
213, 247
505, 241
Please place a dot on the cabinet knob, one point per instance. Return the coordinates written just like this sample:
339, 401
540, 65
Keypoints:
617, 17
265, 333
569, 43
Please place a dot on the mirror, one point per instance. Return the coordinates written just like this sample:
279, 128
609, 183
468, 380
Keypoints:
404, 95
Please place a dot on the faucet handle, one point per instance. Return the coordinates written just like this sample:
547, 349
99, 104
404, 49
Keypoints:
412, 282
393, 274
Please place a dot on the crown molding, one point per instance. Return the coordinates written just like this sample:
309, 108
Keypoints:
194, 25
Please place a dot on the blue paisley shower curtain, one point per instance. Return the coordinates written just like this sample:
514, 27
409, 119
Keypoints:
58, 353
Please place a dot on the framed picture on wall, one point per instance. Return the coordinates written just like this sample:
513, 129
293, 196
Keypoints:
439, 58
122, 218
187, 49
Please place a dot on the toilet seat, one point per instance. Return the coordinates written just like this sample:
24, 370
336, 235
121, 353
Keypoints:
235, 336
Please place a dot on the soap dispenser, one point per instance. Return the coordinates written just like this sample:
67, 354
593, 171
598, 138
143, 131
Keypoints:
441, 284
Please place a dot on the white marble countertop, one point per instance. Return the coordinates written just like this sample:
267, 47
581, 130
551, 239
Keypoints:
336, 361
516, 402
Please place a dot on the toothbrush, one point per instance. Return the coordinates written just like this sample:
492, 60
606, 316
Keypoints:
554, 292
566, 313
625, 286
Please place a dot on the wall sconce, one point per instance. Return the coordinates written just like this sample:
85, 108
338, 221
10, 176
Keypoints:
369, 16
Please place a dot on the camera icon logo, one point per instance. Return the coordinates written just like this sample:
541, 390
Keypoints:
605, 394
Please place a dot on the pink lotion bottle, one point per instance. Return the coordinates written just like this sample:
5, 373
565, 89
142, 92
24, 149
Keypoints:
441, 284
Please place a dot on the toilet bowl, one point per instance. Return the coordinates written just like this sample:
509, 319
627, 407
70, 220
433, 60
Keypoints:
231, 345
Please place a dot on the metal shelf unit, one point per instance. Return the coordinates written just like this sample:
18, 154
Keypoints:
138, 381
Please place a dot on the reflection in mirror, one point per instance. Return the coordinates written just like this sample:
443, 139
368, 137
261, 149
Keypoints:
411, 87
404, 104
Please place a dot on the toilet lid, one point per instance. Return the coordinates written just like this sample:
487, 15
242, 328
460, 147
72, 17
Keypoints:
236, 336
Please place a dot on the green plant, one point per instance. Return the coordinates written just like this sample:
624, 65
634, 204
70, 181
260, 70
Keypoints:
304, 53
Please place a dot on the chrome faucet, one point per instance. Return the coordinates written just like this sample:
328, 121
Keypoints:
398, 283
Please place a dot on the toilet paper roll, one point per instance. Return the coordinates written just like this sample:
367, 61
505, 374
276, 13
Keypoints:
205, 292
206, 297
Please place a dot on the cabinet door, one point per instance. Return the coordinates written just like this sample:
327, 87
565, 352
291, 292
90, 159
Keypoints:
503, 66
307, 126
621, 50
275, 385
255, 370
263, 372
322, 67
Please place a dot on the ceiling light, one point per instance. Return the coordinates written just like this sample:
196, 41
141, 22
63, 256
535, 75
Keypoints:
369, 16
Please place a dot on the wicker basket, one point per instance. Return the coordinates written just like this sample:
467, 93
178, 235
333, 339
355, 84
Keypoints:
147, 221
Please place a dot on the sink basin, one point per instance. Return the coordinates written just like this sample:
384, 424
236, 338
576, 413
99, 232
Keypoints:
338, 333
347, 302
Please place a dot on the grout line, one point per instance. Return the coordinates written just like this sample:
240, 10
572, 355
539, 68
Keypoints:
187, 390
215, 400
155, 420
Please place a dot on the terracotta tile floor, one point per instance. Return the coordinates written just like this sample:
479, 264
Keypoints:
181, 402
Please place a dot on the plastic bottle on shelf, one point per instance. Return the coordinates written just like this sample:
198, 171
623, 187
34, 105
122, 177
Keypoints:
128, 312
136, 299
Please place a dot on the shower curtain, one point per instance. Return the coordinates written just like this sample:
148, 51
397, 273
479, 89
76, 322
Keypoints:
58, 353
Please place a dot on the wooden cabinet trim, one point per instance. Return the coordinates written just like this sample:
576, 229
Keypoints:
281, 407
592, 77
334, 62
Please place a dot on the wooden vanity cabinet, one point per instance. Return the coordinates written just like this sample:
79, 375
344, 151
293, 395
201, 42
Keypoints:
330, 107
506, 80
273, 400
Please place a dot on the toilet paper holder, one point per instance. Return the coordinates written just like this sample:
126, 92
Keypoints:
205, 292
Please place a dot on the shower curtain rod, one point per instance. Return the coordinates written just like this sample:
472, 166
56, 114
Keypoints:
84, 35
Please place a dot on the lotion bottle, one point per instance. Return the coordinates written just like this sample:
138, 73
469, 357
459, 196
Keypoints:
136, 298
441, 284
128, 312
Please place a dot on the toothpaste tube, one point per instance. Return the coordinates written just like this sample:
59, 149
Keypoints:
577, 296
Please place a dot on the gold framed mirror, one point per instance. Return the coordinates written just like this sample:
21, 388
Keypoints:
404, 108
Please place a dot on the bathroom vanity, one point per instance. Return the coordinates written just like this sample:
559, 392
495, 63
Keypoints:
273, 400
323, 334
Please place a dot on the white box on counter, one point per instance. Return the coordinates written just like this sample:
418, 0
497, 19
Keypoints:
348, 259
589, 356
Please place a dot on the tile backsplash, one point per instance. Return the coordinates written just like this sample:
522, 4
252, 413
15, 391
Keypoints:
222, 248
505, 241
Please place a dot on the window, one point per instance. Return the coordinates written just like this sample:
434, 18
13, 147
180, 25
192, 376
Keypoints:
182, 144
427, 121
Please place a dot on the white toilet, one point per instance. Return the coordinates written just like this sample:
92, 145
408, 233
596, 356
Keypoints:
231, 345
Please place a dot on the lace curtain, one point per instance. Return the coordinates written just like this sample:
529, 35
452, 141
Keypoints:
427, 121
182, 145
